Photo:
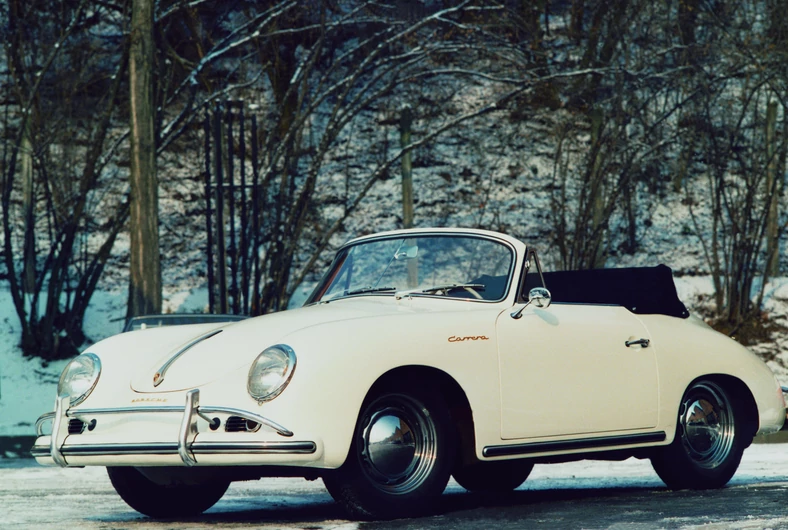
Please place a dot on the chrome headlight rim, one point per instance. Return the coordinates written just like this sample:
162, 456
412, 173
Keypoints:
95, 369
284, 379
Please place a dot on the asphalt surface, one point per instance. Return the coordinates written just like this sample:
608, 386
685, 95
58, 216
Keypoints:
593, 495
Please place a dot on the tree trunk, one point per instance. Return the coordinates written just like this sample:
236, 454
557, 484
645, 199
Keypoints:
772, 193
145, 274
597, 257
577, 13
28, 200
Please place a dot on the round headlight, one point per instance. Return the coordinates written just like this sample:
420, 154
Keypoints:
271, 372
79, 378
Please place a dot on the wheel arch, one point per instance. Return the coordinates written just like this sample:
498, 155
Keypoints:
372, 485
743, 400
451, 391
700, 462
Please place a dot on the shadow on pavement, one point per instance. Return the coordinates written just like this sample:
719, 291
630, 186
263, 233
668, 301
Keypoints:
559, 508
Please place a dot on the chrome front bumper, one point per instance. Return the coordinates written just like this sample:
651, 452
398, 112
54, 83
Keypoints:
186, 447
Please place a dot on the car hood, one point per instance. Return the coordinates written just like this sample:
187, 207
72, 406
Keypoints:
188, 360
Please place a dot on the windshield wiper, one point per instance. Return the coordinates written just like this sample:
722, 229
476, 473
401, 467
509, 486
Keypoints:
445, 288
364, 290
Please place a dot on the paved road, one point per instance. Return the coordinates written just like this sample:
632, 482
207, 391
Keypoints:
594, 495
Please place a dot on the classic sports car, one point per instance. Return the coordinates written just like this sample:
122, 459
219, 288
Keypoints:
421, 354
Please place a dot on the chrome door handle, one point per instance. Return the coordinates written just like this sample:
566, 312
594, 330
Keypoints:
638, 342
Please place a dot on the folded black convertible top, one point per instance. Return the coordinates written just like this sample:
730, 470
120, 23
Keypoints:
642, 290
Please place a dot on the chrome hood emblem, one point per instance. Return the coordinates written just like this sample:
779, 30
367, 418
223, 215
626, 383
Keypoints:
158, 378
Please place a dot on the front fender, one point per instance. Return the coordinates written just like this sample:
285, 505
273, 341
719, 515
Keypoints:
339, 362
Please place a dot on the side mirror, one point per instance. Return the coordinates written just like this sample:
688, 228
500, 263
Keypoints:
539, 296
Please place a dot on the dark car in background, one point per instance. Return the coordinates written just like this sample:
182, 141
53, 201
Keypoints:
177, 319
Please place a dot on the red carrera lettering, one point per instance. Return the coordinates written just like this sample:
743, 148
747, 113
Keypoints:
463, 339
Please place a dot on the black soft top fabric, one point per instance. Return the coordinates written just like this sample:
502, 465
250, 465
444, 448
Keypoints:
642, 290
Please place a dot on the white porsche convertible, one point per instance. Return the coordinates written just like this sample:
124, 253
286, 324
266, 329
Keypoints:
421, 354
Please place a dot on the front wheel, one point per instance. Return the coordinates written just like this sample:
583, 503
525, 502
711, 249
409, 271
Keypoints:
161, 501
400, 456
709, 441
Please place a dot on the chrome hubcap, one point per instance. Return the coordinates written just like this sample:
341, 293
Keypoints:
707, 425
398, 444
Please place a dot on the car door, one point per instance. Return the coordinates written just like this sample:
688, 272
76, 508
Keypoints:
565, 370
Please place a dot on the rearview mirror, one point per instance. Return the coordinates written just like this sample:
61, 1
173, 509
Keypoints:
407, 253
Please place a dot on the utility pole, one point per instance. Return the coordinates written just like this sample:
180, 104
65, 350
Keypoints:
145, 260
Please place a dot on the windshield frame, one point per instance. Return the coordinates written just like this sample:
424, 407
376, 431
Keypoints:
337, 264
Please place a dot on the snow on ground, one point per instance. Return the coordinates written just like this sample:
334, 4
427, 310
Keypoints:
27, 387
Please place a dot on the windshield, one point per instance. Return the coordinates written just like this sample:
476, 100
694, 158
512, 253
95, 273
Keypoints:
452, 266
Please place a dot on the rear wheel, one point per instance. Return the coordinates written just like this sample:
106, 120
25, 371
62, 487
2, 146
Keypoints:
709, 441
400, 456
493, 477
160, 501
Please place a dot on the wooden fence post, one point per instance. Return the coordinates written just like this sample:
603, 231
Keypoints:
208, 213
405, 123
221, 249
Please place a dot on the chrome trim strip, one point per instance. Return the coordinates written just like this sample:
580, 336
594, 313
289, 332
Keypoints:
201, 410
38, 451
152, 448
248, 416
75, 413
59, 429
161, 372
188, 430
569, 445
225, 448
197, 448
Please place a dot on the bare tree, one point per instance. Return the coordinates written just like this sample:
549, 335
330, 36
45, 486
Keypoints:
327, 66
740, 151
740, 196
54, 280
611, 134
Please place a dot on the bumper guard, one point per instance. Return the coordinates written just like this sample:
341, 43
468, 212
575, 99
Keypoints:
187, 432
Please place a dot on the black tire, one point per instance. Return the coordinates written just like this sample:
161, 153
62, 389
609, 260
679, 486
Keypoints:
400, 457
709, 441
158, 501
493, 477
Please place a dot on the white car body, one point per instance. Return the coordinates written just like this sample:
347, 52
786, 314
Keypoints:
557, 383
